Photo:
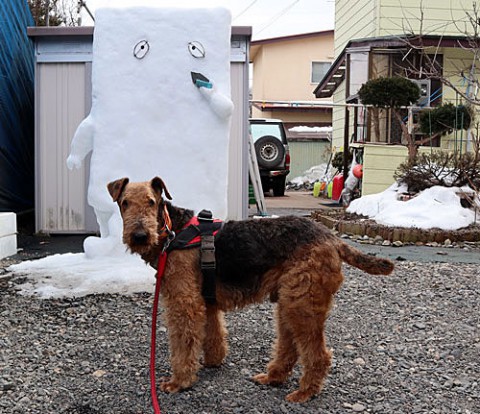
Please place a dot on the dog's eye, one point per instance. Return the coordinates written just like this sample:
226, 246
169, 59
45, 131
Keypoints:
151, 202
124, 204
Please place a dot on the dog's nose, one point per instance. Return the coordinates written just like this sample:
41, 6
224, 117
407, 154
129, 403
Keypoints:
140, 237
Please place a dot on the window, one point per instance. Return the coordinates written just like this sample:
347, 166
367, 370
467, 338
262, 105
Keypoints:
319, 69
358, 71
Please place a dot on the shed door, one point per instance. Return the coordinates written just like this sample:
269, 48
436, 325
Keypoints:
62, 102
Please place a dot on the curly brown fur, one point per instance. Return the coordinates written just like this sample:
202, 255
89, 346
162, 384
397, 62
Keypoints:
294, 260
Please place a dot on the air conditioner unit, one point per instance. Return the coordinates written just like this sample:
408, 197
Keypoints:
425, 91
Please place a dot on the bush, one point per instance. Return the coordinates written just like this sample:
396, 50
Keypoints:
445, 118
337, 161
391, 92
440, 168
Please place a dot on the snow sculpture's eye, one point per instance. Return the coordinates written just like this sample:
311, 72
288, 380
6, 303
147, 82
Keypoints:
196, 49
141, 49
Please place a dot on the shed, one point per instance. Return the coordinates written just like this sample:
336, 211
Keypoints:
63, 66
309, 146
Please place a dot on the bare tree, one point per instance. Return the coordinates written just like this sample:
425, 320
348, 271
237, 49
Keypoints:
54, 12
422, 59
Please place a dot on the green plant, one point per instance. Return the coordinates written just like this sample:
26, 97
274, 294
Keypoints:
337, 161
391, 92
445, 118
394, 93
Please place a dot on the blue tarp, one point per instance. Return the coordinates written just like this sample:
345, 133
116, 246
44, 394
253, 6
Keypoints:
16, 107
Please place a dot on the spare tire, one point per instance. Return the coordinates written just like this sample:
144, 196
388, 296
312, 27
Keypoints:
270, 151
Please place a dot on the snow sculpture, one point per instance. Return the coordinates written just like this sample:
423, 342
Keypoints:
161, 106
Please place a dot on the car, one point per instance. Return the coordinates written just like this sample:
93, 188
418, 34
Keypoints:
273, 156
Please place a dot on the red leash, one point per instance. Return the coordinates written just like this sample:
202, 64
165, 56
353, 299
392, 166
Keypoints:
162, 260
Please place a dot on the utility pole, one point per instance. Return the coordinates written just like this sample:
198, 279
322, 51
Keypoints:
82, 3
47, 13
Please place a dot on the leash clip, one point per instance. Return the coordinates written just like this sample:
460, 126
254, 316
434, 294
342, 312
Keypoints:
170, 237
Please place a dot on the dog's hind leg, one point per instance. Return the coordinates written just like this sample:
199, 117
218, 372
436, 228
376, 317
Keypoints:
215, 344
315, 358
284, 355
306, 291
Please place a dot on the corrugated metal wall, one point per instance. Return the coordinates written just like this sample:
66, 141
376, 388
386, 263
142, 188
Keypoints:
306, 154
62, 105
16, 107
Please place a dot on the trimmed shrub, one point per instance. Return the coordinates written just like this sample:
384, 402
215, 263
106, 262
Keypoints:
391, 92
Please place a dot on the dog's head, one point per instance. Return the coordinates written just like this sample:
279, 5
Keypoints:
142, 209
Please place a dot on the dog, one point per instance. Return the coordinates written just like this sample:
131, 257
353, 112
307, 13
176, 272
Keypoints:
294, 261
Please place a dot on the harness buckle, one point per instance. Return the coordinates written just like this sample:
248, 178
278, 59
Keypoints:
205, 215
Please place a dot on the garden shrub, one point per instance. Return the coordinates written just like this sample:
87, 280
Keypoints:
440, 168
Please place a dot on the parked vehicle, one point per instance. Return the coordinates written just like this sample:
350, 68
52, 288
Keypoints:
271, 148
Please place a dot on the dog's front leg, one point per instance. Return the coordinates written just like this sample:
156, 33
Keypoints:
215, 343
185, 319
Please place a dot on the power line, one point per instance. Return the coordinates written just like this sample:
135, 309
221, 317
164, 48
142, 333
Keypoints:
277, 16
245, 9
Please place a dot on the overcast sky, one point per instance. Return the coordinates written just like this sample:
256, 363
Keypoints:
268, 18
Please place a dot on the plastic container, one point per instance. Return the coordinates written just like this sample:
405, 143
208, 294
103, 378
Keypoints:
337, 187
316, 189
329, 189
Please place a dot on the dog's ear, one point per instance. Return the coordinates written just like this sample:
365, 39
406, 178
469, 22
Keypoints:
158, 185
116, 188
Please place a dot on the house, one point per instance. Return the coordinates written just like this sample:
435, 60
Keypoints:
384, 38
285, 69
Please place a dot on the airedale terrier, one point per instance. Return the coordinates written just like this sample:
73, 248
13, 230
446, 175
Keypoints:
294, 261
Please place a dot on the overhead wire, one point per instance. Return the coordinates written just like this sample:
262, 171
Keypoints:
277, 16
245, 9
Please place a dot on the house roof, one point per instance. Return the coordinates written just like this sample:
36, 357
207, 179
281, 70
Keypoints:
88, 31
255, 45
336, 74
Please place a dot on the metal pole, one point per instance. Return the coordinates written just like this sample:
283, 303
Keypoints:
47, 13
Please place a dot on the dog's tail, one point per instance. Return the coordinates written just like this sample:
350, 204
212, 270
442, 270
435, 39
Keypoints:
365, 262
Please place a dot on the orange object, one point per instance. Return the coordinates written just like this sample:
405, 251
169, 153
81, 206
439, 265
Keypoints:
358, 171
337, 187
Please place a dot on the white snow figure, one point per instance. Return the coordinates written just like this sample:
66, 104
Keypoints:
161, 106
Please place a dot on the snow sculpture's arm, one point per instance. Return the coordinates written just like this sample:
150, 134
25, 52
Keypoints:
221, 104
82, 143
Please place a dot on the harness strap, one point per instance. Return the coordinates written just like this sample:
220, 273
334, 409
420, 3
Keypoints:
207, 256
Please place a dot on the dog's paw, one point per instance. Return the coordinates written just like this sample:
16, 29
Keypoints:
266, 379
261, 379
170, 386
299, 396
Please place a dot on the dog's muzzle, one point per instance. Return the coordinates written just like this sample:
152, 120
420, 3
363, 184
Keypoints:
140, 237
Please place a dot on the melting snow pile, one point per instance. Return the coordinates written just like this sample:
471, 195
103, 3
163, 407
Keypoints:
435, 207
313, 174
75, 275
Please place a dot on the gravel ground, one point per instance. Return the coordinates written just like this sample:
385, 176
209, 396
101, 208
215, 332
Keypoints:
406, 343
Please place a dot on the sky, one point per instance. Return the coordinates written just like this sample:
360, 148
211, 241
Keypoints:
268, 18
